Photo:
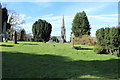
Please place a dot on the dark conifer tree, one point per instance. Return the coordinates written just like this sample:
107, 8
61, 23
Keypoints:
41, 30
80, 25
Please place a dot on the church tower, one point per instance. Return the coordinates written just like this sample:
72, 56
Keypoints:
63, 31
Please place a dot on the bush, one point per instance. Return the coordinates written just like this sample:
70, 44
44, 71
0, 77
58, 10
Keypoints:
85, 40
54, 38
100, 50
109, 39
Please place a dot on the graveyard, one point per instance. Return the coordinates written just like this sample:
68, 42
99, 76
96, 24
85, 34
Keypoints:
55, 60
49, 48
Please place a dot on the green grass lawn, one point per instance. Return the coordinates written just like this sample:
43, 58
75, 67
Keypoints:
55, 60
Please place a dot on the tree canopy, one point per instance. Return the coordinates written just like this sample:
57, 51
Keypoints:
41, 30
5, 18
80, 25
15, 18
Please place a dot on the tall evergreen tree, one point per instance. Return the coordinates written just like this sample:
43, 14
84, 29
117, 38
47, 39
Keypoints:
5, 18
80, 25
4, 23
41, 30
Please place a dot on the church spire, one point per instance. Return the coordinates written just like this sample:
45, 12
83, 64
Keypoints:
63, 24
63, 31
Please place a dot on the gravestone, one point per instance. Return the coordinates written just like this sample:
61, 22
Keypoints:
1, 38
9, 36
15, 37
72, 41
22, 35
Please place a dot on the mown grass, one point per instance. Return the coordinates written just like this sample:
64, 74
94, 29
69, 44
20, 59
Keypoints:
55, 60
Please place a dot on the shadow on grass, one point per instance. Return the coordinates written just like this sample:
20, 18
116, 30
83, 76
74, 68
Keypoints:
29, 44
7, 45
25, 65
79, 48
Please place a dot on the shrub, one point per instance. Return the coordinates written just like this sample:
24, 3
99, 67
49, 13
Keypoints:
85, 40
100, 50
109, 40
54, 38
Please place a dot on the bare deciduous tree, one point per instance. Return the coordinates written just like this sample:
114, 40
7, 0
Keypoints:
15, 19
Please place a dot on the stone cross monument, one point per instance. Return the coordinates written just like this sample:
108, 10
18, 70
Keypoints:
63, 31
4, 31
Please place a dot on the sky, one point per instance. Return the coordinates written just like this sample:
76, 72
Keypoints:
100, 14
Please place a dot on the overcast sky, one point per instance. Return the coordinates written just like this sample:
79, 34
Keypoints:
100, 14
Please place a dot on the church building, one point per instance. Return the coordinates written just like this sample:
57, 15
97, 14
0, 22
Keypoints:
63, 31
62, 38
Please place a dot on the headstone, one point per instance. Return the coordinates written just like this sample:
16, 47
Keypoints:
15, 37
22, 35
30, 39
1, 38
6, 37
9, 35
4, 28
72, 41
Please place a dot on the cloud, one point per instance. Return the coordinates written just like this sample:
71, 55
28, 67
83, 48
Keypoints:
26, 25
110, 18
47, 15
89, 8
102, 26
22, 16
29, 17
43, 4
102, 21
94, 9
108, 15
96, 27
56, 22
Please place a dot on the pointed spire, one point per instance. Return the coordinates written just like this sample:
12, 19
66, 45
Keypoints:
63, 24
63, 31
